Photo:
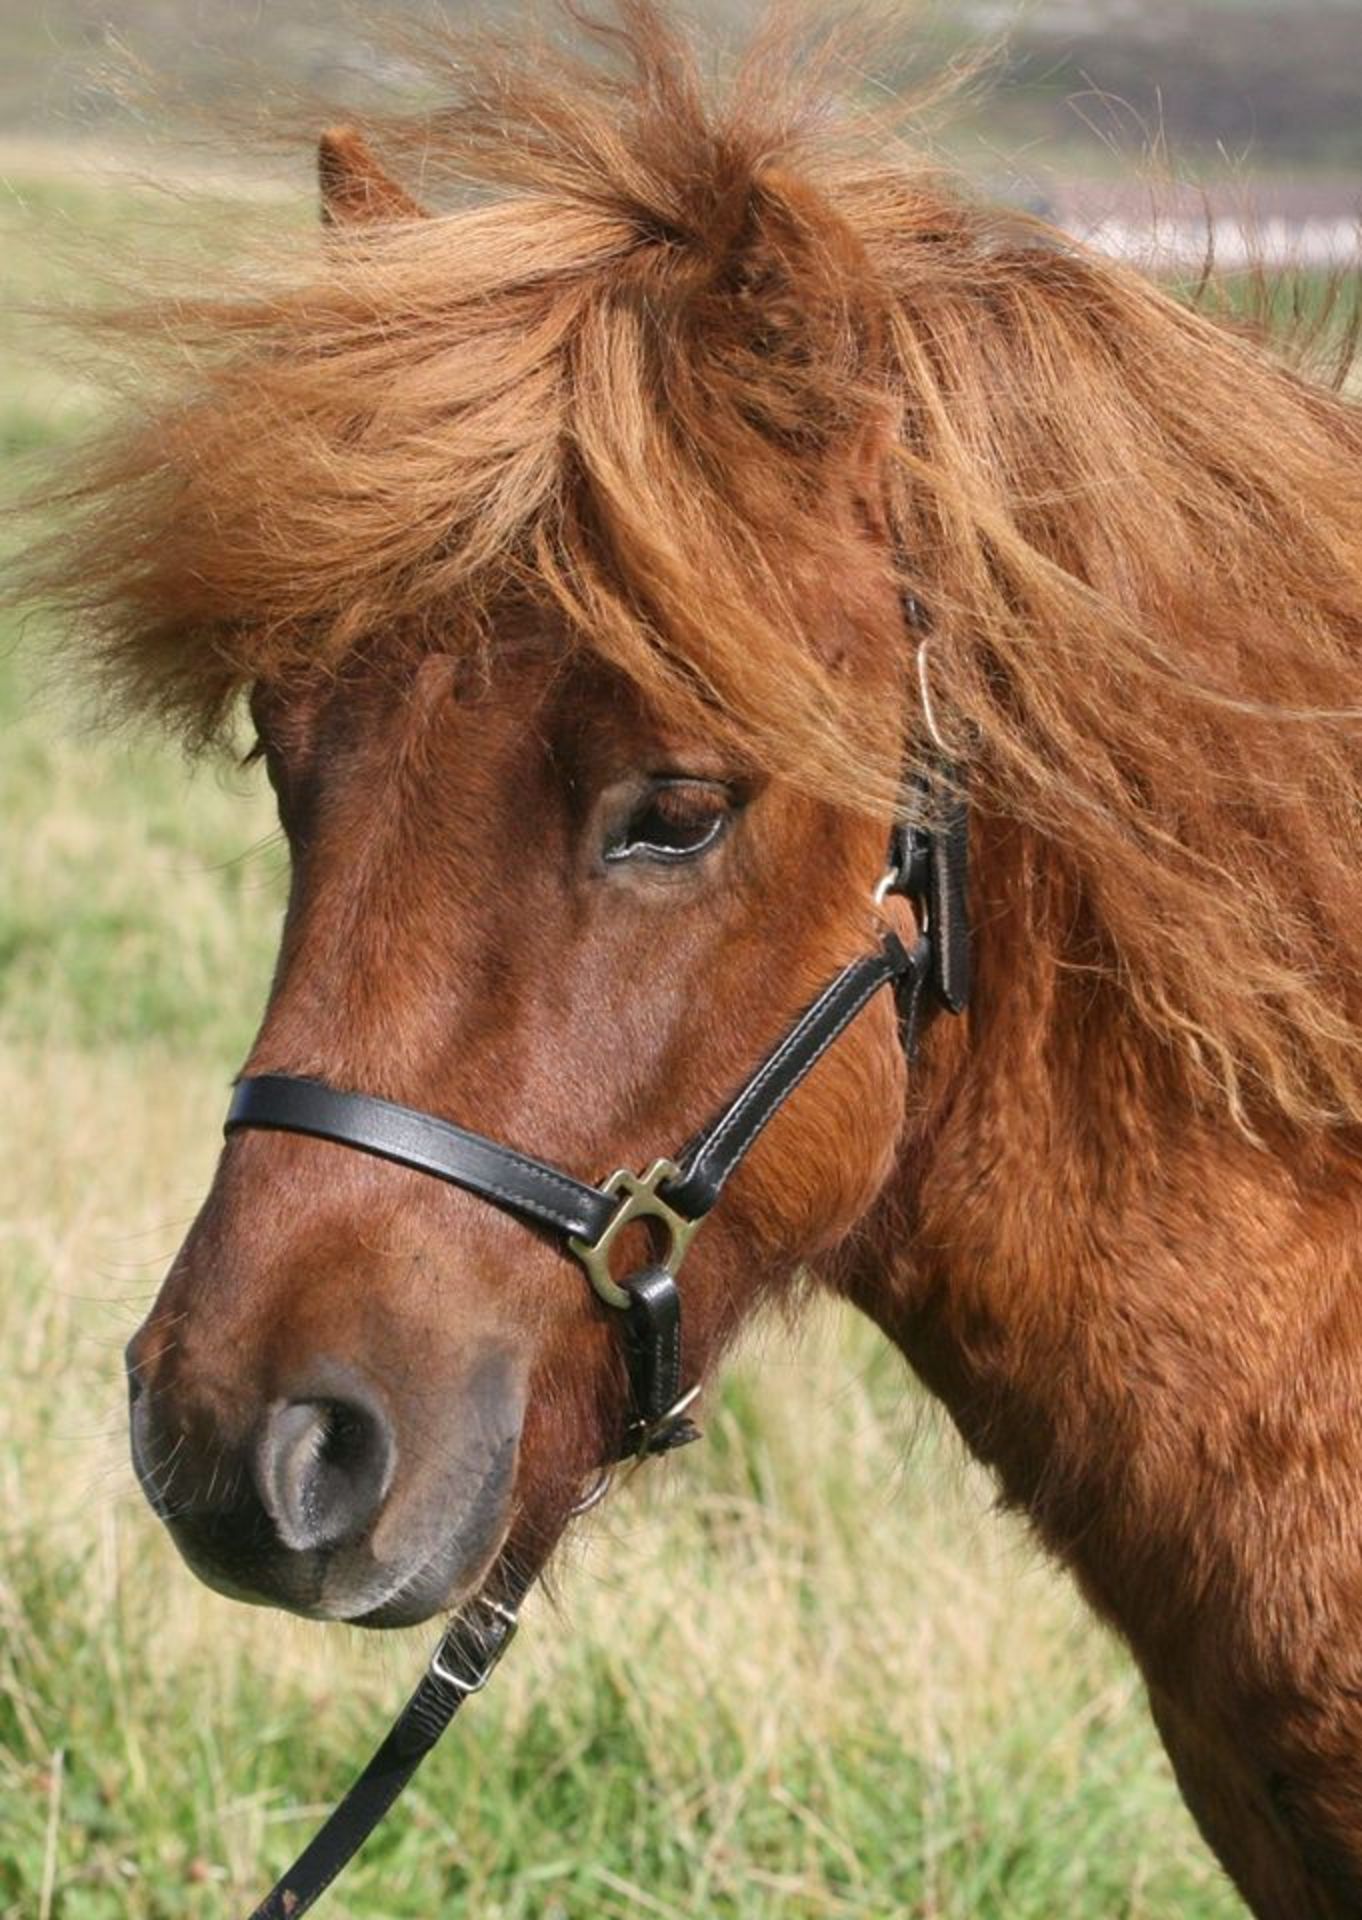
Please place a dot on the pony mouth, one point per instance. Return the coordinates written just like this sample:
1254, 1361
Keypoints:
415, 1595
438, 1585
458, 1563
349, 1584
298, 1584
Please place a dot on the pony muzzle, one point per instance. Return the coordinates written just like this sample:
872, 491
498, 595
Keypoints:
317, 1501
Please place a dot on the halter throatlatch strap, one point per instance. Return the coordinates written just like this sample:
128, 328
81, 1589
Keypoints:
929, 866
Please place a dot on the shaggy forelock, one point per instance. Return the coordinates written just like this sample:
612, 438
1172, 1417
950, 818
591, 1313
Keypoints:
692, 351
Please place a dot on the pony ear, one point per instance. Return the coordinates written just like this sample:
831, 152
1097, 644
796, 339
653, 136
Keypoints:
355, 189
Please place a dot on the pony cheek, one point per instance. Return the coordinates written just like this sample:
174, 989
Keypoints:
826, 1158
573, 1425
844, 1135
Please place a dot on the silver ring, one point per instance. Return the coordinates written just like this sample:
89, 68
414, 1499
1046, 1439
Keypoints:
928, 711
595, 1493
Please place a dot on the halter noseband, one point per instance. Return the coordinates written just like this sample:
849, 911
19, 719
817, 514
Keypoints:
927, 867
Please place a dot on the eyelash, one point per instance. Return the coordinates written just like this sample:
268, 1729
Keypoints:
663, 813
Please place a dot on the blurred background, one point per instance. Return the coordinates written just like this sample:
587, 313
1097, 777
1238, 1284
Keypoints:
803, 1672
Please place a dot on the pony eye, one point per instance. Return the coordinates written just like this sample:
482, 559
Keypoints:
677, 820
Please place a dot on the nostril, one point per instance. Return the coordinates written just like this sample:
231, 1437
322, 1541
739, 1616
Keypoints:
322, 1468
345, 1437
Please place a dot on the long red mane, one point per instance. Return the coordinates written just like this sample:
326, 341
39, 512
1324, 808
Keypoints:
620, 384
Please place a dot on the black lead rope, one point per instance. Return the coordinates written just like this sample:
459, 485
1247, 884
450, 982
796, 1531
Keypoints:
926, 867
461, 1665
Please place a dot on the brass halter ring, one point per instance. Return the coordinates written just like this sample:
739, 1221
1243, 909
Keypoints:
640, 1198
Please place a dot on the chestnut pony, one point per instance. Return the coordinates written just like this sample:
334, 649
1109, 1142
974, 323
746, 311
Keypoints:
559, 543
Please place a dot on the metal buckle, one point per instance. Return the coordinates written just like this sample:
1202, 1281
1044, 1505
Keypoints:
655, 1436
459, 1681
639, 1199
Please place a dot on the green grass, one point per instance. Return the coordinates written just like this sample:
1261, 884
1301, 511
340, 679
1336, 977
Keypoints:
802, 1673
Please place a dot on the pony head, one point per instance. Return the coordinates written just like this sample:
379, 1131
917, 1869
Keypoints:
562, 594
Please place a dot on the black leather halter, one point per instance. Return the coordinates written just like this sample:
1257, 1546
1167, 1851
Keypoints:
673, 1196
927, 866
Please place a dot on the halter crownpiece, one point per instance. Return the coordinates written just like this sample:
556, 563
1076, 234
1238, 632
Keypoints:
926, 866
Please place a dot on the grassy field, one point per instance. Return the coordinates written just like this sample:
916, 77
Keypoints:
804, 1673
